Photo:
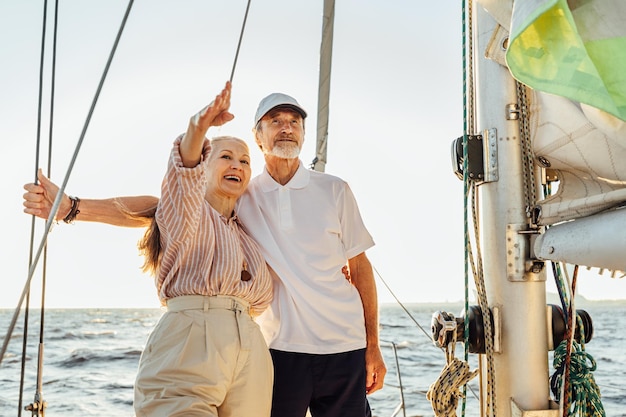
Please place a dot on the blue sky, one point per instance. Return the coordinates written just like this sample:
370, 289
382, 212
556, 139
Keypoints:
396, 106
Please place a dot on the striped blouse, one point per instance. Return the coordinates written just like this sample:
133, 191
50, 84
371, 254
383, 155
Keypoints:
203, 253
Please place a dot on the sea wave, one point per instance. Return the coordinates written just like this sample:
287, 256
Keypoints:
91, 359
84, 357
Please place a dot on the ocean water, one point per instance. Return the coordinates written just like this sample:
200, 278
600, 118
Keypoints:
91, 355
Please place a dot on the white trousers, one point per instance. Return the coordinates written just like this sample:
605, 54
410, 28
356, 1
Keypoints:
205, 357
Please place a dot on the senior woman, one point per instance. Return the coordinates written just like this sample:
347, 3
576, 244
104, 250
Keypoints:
206, 356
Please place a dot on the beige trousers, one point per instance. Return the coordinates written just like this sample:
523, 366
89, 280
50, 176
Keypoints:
205, 357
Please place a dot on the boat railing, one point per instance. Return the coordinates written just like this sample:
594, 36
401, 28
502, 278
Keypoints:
400, 387
401, 405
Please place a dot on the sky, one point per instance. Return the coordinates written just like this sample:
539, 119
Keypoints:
395, 108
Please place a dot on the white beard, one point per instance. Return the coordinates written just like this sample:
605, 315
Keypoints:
285, 150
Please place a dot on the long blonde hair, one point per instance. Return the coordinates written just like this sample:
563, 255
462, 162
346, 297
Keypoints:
150, 246
150, 243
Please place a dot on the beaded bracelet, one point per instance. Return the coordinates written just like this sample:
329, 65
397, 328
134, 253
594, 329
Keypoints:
71, 216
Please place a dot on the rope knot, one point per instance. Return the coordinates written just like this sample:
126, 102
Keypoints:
445, 392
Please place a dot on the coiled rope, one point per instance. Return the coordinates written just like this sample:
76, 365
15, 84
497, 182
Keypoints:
583, 394
445, 392
573, 384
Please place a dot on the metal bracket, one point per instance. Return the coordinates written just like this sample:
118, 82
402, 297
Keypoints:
490, 151
512, 111
520, 266
496, 312
517, 411
482, 161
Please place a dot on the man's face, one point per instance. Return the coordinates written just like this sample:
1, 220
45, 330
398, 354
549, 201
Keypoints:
281, 133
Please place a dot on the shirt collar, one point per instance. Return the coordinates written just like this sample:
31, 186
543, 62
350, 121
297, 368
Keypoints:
299, 180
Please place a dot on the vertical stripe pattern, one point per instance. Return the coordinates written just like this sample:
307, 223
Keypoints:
203, 252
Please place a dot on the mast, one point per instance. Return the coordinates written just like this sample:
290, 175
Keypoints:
326, 54
516, 296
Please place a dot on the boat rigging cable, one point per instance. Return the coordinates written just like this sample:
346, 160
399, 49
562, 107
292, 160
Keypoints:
401, 305
38, 407
457, 369
38, 403
444, 393
468, 121
243, 26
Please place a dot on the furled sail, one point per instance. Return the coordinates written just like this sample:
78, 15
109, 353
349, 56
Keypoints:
571, 55
587, 147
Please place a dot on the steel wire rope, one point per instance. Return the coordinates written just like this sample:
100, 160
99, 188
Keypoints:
243, 26
38, 403
60, 193
411, 316
402, 305
32, 231
55, 206
32, 228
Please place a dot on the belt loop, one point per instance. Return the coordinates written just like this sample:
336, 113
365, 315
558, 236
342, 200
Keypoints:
233, 305
205, 304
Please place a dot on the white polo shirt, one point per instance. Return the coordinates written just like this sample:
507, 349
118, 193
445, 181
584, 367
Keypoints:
307, 230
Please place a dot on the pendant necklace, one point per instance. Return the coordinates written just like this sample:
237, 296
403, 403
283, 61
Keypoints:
245, 275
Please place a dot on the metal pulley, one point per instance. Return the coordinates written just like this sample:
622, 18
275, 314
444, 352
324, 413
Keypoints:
445, 328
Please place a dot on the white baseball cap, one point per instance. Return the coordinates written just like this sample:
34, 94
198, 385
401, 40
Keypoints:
277, 100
